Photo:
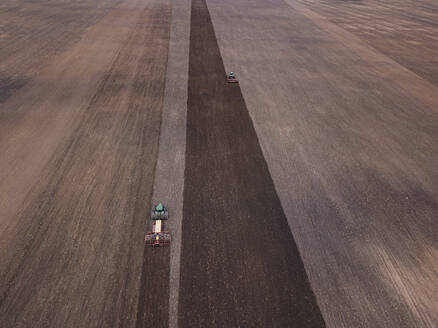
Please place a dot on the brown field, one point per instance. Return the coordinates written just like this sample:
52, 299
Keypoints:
304, 196
79, 144
405, 31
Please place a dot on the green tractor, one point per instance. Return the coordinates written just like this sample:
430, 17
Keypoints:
159, 212
157, 237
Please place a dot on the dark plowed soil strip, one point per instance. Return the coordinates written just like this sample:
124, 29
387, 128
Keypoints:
153, 305
240, 265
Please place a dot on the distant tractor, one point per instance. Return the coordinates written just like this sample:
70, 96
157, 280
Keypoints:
157, 237
231, 78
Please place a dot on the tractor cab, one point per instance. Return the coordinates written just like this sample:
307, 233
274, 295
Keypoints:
159, 212
159, 208
231, 78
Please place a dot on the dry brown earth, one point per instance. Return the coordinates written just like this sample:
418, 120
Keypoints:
85, 131
350, 138
32, 33
406, 31
337, 103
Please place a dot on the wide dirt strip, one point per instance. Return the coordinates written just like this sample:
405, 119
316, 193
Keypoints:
240, 266
153, 299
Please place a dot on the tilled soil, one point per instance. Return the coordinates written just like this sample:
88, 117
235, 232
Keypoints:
406, 31
240, 266
74, 254
350, 137
351, 152
32, 33
153, 298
